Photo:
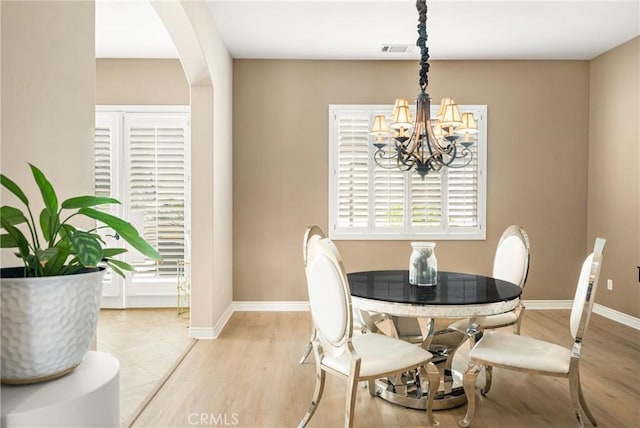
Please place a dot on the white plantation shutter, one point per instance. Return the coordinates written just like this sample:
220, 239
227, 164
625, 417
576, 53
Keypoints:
104, 135
157, 187
371, 202
353, 170
462, 194
105, 147
388, 197
426, 200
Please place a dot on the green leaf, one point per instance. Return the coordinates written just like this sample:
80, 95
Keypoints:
88, 248
13, 188
32, 264
12, 215
125, 230
21, 241
57, 262
66, 230
122, 265
115, 268
110, 252
88, 201
73, 267
99, 238
45, 255
45, 224
46, 189
64, 244
7, 241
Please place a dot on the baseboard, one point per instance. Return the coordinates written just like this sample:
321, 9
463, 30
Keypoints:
617, 316
210, 333
547, 304
599, 309
223, 320
202, 333
284, 306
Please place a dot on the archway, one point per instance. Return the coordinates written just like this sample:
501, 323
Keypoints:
206, 64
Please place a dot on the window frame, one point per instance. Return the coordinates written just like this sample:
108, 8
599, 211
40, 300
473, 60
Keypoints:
406, 232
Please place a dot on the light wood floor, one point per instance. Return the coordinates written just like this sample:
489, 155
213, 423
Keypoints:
250, 377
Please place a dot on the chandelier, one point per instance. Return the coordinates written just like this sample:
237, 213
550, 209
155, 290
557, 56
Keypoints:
424, 143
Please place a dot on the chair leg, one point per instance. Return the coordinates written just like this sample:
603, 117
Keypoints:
309, 346
516, 327
317, 395
488, 372
469, 384
352, 389
448, 373
585, 408
372, 388
430, 371
577, 399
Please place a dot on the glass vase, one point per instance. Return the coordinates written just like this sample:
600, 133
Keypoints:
423, 265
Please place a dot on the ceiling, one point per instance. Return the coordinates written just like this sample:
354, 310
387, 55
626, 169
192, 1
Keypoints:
357, 29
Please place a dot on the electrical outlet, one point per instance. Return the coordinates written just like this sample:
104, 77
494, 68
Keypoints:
610, 284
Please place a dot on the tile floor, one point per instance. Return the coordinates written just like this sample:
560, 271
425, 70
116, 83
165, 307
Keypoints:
147, 342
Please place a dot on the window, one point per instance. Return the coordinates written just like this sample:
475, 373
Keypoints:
141, 159
367, 201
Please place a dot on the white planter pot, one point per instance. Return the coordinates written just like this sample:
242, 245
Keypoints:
47, 324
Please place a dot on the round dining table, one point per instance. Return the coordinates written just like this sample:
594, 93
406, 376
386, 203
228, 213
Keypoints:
455, 295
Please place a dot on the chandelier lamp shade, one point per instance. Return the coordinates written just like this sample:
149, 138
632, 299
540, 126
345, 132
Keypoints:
424, 143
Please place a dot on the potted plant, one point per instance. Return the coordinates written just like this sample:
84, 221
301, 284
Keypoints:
50, 305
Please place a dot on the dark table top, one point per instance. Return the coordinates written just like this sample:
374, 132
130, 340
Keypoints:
452, 288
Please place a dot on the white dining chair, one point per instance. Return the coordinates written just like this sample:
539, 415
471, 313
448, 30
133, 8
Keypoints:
363, 321
365, 357
516, 352
311, 232
510, 263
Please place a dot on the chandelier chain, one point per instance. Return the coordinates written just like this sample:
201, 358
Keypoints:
421, 6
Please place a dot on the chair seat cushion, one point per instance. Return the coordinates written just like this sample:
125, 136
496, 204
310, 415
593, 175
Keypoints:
379, 355
521, 352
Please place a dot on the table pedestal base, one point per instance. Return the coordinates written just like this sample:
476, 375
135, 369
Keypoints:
418, 401
405, 390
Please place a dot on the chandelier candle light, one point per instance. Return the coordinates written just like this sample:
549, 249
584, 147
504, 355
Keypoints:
426, 144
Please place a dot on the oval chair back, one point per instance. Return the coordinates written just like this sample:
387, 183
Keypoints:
586, 291
311, 232
329, 296
511, 261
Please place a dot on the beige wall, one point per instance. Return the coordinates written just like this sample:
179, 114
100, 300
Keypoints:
614, 172
537, 165
48, 95
141, 82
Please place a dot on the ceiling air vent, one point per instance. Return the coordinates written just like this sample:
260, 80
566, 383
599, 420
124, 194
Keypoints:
398, 48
